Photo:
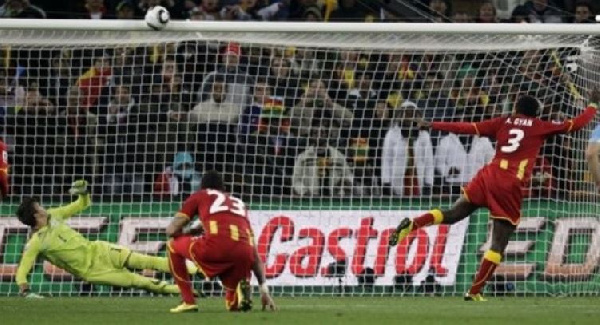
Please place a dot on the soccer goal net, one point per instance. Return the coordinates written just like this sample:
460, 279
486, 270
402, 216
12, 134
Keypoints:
310, 126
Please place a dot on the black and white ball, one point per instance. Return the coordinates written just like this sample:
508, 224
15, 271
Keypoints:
157, 17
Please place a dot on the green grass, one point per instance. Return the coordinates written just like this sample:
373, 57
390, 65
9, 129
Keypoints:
305, 311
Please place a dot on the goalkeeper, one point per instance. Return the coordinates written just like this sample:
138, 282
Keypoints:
97, 262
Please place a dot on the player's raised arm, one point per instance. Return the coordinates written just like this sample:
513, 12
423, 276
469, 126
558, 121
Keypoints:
580, 120
486, 128
83, 202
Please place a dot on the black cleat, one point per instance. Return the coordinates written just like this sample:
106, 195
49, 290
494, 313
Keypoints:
244, 293
403, 229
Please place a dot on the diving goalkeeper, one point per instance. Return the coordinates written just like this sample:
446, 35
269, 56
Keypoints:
97, 262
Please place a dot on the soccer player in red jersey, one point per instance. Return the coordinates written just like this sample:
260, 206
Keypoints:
4, 183
225, 249
497, 186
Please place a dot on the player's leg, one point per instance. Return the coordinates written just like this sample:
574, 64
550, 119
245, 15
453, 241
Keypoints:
123, 257
501, 232
461, 209
125, 278
238, 292
239, 297
177, 250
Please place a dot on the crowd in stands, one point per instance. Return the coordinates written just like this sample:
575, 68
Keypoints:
279, 121
483, 11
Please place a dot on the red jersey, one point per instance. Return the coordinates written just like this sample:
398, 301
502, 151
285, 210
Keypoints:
518, 138
4, 185
223, 217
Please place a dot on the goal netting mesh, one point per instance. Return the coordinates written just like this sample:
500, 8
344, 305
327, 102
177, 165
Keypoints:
310, 129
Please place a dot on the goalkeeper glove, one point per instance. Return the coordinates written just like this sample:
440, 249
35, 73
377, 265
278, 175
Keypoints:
79, 187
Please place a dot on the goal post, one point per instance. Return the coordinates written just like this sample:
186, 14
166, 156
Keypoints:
308, 124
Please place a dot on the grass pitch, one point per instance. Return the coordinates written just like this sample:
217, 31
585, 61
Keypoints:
305, 311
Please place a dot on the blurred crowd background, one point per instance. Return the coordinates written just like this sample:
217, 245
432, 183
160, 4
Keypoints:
144, 122
480, 11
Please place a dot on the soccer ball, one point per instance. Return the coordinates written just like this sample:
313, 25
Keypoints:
157, 17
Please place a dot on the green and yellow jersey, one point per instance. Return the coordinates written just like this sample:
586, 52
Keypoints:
58, 243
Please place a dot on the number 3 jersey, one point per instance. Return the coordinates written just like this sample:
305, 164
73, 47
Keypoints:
224, 217
518, 138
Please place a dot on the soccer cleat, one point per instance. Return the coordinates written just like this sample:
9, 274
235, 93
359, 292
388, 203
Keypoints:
244, 295
404, 228
474, 297
184, 308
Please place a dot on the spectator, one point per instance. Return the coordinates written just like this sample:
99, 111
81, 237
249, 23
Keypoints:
351, 10
520, 15
298, 8
321, 170
312, 14
341, 74
402, 11
125, 10
180, 179
251, 10
96, 9
36, 126
396, 72
81, 131
21, 9
94, 80
314, 98
543, 11
249, 121
119, 131
215, 121
583, 13
238, 82
407, 156
461, 17
208, 10
434, 100
7, 93
487, 13
215, 108
361, 94
440, 11
120, 105
459, 157
307, 63
59, 79
282, 80
365, 150
35, 103
270, 152
468, 95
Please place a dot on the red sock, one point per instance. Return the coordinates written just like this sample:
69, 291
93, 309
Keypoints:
428, 219
231, 300
181, 277
488, 265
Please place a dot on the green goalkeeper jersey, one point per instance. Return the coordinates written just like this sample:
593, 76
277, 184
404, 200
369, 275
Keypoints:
59, 243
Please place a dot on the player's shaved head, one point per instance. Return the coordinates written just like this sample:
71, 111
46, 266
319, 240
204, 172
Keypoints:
27, 210
212, 179
528, 105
